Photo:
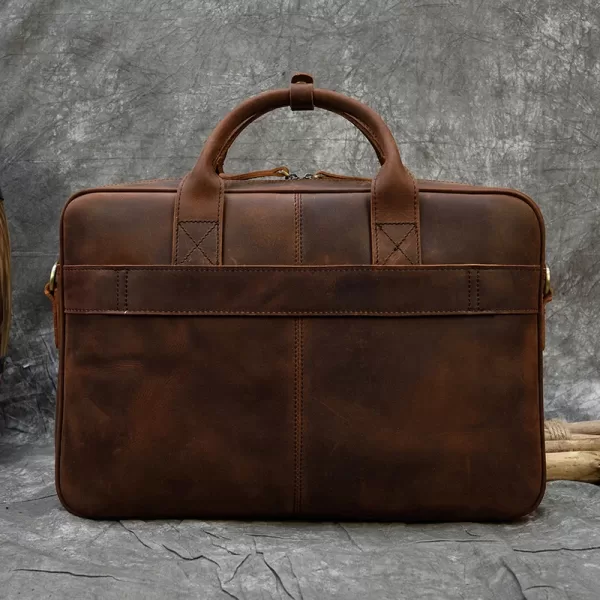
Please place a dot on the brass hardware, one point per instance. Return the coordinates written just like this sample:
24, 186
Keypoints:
52, 280
282, 172
547, 285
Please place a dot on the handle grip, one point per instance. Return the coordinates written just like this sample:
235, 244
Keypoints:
301, 98
394, 199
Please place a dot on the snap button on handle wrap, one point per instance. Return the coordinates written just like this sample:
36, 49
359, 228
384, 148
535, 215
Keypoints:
199, 205
301, 92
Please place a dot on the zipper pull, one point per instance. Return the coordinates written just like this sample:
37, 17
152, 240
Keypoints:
327, 175
276, 172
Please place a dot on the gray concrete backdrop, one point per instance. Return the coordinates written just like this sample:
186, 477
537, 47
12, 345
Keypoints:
498, 92
483, 91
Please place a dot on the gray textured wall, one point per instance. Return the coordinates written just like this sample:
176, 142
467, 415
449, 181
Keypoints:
483, 91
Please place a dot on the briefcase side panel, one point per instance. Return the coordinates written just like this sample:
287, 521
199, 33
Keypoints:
421, 419
181, 416
107, 360
275, 225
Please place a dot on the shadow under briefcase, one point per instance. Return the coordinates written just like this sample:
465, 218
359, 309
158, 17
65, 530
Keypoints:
330, 347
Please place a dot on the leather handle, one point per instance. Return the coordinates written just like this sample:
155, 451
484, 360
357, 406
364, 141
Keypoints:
394, 196
301, 98
358, 124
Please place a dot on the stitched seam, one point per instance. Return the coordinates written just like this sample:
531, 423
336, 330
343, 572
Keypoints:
199, 221
117, 278
197, 245
126, 283
469, 289
298, 375
298, 415
396, 223
406, 256
296, 229
295, 499
416, 216
300, 411
177, 202
250, 269
397, 245
493, 311
375, 229
301, 232
477, 285
218, 244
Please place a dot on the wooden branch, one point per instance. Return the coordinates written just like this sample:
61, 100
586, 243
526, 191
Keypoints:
557, 429
587, 443
587, 427
573, 466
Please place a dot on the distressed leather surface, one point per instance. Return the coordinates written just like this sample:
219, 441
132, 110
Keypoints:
402, 417
267, 349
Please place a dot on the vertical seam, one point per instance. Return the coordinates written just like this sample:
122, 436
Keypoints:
177, 203
374, 228
295, 497
126, 284
219, 249
300, 413
416, 216
118, 274
297, 415
469, 289
298, 364
297, 228
301, 230
477, 288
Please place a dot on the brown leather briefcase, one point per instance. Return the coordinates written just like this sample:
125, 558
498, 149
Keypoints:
326, 347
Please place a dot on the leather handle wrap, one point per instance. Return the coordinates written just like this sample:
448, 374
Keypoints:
302, 92
394, 195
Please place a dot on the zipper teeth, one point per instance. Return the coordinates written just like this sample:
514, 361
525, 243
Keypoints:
349, 179
300, 179
280, 180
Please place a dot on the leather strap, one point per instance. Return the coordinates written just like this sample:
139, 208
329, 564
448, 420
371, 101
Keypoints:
394, 197
301, 92
378, 291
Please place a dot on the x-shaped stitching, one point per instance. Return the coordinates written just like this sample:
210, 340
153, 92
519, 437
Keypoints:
197, 244
396, 245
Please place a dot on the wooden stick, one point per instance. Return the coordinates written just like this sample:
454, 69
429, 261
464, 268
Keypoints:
573, 466
587, 443
588, 427
556, 429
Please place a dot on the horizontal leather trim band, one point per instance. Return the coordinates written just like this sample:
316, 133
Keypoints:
302, 290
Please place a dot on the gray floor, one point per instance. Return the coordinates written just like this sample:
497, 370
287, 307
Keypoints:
47, 553
482, 91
